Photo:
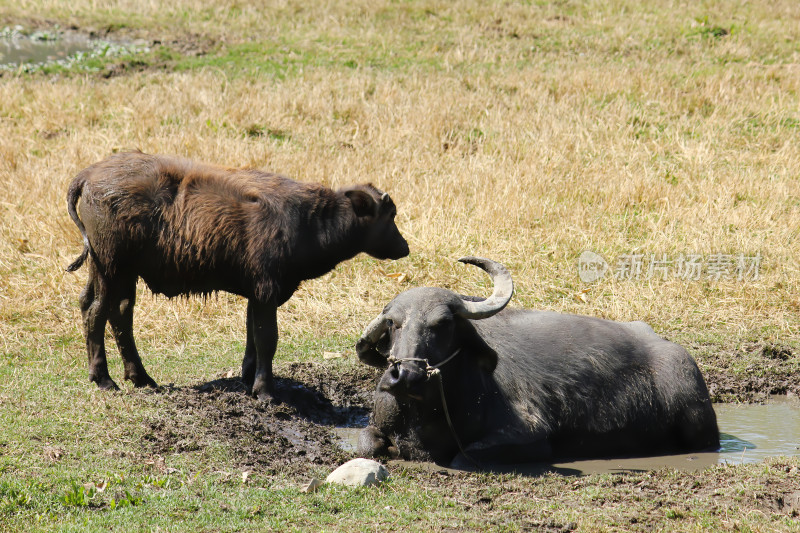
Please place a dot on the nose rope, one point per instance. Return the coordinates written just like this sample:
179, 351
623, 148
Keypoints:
430, 370
433, 370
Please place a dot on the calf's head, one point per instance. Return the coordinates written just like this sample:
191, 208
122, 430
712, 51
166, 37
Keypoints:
424, 328
375, 212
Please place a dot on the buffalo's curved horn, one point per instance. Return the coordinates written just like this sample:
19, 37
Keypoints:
366, 347
503, 290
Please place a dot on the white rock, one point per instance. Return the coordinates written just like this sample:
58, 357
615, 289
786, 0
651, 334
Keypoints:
358, 473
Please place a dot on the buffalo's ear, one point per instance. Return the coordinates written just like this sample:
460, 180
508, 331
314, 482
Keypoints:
481, 353
368, 354
363, 203
487, 360
484, 356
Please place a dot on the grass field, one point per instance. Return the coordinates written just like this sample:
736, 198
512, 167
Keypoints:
526, 132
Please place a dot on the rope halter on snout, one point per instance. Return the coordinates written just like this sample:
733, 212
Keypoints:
430, 370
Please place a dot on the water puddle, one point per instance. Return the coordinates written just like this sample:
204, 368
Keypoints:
751, 433
32, 51
748, 434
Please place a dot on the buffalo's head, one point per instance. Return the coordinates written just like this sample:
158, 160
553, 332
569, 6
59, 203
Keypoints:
375, 212
425, 328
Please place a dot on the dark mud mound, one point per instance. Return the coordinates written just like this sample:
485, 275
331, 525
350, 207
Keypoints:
755, 388
289, 437
770, 369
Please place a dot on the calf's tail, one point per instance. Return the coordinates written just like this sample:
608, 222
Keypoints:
73, 194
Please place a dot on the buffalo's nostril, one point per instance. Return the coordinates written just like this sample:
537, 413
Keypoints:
392, 377
401, 379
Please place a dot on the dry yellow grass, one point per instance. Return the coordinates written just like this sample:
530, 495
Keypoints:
536, 136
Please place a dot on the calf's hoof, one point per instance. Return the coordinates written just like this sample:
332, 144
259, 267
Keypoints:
267, 398
105, 383
247, 381
144, 381
263, 392
248, 375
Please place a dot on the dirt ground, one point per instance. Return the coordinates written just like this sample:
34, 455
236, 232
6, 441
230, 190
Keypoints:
295, 438
289, 437
295, 433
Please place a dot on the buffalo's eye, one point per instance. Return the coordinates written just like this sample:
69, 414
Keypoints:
389, 323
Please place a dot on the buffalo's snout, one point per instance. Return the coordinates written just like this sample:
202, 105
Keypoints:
403, 380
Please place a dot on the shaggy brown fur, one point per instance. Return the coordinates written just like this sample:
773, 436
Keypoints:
189, 228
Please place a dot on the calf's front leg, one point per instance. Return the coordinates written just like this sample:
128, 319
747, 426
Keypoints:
262, 341
249, 361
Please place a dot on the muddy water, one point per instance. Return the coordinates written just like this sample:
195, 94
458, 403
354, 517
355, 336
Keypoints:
751, 433
16, 49
31, 52
748, 433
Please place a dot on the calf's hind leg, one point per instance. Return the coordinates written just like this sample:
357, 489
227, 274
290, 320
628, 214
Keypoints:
121, 318
94, 301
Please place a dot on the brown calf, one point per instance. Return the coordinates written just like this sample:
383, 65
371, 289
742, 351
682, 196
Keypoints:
189, 228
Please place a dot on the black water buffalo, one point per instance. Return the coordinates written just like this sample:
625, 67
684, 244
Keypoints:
189, 228
469, 381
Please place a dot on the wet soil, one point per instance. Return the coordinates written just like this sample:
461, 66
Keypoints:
289, 436
297, 438
772, 370
297, 432
755, 388
637, 501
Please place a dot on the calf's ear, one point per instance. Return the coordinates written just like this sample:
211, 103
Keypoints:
363, 202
